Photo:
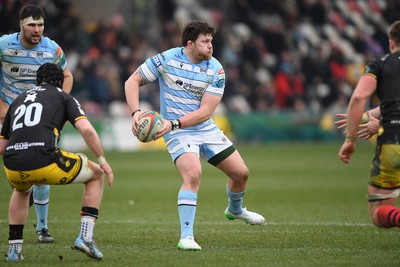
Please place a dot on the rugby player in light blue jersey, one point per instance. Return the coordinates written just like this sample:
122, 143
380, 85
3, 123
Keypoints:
21, 54
191, 85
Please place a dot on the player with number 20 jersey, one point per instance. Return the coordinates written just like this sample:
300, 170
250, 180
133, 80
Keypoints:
22, 127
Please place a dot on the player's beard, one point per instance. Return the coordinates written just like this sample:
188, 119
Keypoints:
205, 55
32, 39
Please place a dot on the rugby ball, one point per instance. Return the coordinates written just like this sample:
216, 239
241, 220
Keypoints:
150, 123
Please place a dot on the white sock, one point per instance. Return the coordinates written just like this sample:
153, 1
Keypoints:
87, 227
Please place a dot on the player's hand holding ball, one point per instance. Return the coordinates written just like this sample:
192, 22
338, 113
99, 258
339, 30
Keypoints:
148, 124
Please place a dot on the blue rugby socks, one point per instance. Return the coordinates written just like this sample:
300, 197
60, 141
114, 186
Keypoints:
41, 196
187, 201
235, 202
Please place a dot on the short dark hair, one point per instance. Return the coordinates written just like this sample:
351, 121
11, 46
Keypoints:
193, 29
394, 33
33, 11
50, 73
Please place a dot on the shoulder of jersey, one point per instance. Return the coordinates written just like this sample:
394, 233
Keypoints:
170, 53
46, 41
9, 39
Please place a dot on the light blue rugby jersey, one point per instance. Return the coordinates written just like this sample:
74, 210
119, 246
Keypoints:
19, 65
182, 85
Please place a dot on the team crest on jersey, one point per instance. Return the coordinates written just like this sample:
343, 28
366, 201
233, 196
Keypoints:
220, 83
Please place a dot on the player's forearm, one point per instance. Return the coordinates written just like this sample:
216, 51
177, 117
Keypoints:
3, 144
194, 118
90, 136
67, 85
92, 140
355, 112
132, 86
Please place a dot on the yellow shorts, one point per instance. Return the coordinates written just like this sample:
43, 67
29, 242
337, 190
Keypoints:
70, 168
385, 169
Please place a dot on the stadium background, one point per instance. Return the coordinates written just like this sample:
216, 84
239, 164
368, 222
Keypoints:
314, 204
290, 64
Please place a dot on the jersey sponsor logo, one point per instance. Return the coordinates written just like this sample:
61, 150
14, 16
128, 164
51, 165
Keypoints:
193, 89
36, 181
24, 145
14, 69
156, 61
27, 72
20, 70
23, 175
221, 71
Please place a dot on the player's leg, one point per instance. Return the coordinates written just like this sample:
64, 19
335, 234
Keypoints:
93, 178
17, 214
41, 195
383, 188
189, 168
232, 164
383, 211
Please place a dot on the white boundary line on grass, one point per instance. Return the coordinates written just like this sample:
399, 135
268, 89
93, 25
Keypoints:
139, 222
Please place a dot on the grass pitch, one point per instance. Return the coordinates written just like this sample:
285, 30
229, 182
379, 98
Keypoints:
314, 205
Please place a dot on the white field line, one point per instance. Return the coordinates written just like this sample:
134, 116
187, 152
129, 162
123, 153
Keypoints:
222, 222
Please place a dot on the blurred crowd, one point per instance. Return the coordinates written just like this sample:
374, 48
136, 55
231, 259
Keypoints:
300, 55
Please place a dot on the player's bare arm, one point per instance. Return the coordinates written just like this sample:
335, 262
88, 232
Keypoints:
68, 81
92, 140
132, 86
369, 122
208, 105
3, 144
364, 89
